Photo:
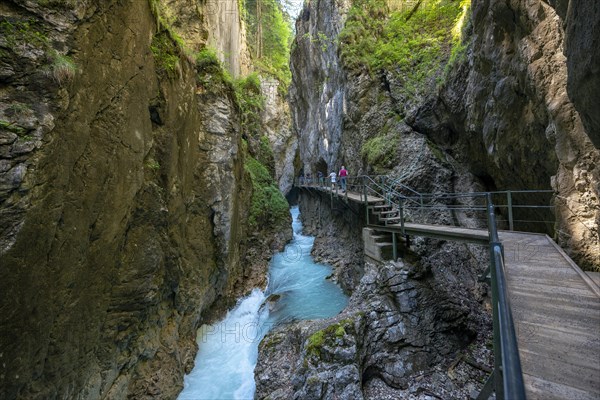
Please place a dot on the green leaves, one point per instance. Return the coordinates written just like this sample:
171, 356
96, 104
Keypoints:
413, 43
270, 36
269, 207
380, 152
166, 54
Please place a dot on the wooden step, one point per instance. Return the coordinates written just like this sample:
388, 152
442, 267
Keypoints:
380, 206
381, 238
390, 220
394, 211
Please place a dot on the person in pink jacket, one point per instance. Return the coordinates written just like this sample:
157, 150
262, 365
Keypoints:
343, 174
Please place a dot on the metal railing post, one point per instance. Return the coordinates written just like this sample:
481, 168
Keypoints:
364, 179
511, 225
507, 375
346, 189
331, 197
394, 247
402, 216
498, 389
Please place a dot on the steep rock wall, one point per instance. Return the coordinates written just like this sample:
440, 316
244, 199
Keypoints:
214, 23
227, 34
514, 122
277, 121
317, 91
502, 114
125, 199
581, 21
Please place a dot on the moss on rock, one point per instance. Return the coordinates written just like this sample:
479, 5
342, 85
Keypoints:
268, 206
328, 336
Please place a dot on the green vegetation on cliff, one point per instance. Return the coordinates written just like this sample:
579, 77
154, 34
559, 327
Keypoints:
251, 102
381, 152
416, 44
23, 36
412, 42
328, 336
167, 46
166, 54
64, 4
269, 208
270, 38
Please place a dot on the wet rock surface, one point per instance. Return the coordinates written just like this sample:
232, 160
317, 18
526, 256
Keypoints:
403, 335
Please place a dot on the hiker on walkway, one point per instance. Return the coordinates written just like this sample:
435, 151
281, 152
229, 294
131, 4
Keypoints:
320, 176
333, 177
343, 174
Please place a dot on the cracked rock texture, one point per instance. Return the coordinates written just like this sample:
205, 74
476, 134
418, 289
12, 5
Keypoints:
277, 124
517, 112
123, 201
318, 85
402, 321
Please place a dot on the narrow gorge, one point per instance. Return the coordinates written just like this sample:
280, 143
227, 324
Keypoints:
150, 152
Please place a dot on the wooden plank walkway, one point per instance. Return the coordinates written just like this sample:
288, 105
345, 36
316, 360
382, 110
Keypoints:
595, 277
555, 307
356, 197
455, 233
557, 318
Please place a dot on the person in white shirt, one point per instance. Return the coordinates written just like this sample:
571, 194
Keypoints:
333, 177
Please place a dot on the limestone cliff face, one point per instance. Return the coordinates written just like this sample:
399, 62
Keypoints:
215, 23
507, 117
514, 121
317, 91
581, 21
227, 34
277, 121
123, 201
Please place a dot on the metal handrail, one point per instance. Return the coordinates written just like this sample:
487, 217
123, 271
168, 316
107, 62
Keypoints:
507, 376
506, 363
382, 186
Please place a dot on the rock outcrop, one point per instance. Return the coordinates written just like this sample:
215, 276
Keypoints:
515, 124
123, 197
278, 129
501, 113
581, 22
318, 85
401, 321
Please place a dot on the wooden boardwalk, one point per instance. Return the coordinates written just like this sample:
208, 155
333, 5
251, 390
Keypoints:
355, 197
555, 307
455, 233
